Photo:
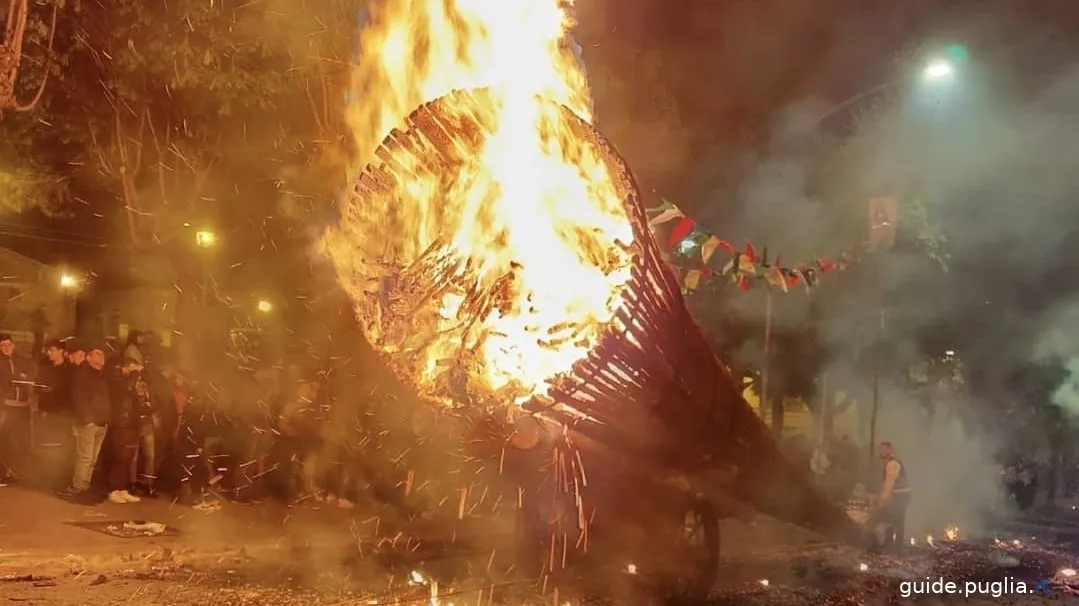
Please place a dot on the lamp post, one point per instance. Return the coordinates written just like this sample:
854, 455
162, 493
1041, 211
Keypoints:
69, 286
934, 71
937, 70
68, 282
206, 240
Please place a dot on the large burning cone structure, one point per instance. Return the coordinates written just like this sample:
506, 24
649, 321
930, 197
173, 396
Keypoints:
645, 385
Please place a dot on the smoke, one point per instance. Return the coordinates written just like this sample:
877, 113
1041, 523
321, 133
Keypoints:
981, 166
1057, 346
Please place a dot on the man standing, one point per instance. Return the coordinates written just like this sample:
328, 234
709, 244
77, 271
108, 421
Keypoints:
15, 384
126, 396
54, 406
147, 422
92, 411
893, 499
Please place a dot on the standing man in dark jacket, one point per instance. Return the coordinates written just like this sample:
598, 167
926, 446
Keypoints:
124, 434
15, 412
92, 411
54, 408
52, 380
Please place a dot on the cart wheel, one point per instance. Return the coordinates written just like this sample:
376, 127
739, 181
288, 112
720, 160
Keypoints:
699, 542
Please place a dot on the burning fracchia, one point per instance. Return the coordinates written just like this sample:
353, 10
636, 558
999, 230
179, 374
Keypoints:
498, 195
496, 251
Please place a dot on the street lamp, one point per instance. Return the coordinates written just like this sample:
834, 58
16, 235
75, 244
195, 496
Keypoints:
265, 306
68, 282
205, 238
937, 70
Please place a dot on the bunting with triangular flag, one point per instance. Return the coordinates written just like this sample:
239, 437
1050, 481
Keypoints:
743, 267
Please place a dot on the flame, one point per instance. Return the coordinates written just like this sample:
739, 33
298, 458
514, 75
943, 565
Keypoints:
533, 221
951, 533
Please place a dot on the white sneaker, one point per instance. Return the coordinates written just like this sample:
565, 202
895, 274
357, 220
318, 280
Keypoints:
123, 497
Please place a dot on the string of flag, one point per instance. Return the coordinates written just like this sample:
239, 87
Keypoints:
746, 268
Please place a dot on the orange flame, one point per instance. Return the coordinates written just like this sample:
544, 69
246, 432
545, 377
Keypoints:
533, 219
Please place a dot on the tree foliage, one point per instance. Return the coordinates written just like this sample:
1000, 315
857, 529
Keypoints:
169, 117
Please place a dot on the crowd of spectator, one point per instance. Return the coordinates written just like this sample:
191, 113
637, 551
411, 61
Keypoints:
98, 421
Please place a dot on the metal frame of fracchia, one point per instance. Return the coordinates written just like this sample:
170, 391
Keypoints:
661, 397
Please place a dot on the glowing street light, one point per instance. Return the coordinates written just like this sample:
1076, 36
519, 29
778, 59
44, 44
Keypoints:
68, 281
205, 238
938, 70
265, 306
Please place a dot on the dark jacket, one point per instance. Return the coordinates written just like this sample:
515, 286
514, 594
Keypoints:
132, 403
15, 368
54, 382
90, 396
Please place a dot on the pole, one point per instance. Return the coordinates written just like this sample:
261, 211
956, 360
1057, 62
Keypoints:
824, 404
767, 358
205, 296
876, 387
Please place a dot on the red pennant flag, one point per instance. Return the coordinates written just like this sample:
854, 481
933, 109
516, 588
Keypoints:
751, 253
684, 227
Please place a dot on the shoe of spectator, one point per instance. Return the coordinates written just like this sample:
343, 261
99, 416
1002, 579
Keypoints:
122, 497
144, 490
84, 497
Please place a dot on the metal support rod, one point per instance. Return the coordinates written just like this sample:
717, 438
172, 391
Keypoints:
767, 356
876, 386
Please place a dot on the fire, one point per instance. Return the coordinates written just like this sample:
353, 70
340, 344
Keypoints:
951, 533
530, 230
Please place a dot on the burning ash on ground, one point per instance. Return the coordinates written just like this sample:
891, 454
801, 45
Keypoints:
807, 575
